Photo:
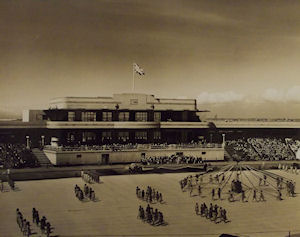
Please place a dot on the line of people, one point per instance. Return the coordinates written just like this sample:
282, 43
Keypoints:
42, 223
90, 177
213, 212
153, 217
150, 195
87, 192
25, 226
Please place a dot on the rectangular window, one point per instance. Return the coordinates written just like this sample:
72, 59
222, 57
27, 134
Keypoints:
123, 136
88, 116
157, 116
106, 116
141, 135
88, 136
70, 137
141, 116
157, 135
106, 135
123, 116
71, 116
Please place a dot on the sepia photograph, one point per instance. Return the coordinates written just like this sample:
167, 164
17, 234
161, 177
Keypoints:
138, 118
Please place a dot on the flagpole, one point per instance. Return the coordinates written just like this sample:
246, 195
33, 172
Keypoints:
132, 78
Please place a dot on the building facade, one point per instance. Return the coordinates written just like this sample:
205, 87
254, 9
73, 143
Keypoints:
122, 118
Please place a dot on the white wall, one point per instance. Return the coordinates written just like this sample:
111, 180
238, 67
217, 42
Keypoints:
95, 157
32, 115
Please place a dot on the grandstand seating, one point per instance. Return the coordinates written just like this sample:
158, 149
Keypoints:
262, 149
16, 156
271, 148
293, 144
241, 150
130, 146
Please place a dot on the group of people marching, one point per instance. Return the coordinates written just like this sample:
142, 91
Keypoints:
87, 192
90, 177
25, 227
213, 212
43, 223
150, 195
23, 224
153, 217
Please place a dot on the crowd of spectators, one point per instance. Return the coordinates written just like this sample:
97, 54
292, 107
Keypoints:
271, 148
108, 147
262, 149
241, 149
173, 159
16, 156
293, 144
133, 146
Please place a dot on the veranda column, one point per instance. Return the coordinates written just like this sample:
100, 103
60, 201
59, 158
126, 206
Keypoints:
27, 142
43, 140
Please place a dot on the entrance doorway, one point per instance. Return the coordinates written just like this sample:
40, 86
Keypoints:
105, 159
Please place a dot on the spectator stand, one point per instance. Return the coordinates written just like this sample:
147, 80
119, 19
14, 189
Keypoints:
16, 156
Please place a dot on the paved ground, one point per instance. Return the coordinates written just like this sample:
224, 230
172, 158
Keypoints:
115, 214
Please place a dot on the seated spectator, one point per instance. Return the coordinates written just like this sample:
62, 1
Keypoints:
16, 156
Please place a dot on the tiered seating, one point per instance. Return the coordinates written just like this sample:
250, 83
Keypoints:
130, 146
241, 150
271, 149
16, 156
293, 144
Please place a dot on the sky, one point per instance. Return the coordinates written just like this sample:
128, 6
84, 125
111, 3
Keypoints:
237, 58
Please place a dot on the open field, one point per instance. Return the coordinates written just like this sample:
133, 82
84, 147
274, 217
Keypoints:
115, 214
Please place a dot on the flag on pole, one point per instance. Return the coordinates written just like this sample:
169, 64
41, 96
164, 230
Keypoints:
138, 69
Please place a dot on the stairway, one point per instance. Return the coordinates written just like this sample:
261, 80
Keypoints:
41, 157
227, 155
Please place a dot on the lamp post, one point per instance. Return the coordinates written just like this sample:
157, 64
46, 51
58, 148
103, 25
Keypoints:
223, 142
43, 140
27, 142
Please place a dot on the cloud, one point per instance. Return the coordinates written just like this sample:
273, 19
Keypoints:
290, 95
219, 97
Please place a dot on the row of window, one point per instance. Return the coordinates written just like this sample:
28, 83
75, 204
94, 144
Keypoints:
107, 135
107, 116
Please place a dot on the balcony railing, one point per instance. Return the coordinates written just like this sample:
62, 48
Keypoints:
121, 147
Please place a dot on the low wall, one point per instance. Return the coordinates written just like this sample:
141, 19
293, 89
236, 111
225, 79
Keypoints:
126, 156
